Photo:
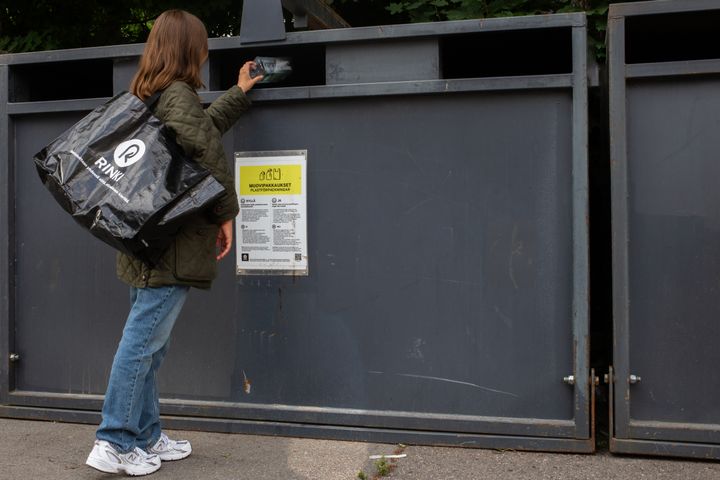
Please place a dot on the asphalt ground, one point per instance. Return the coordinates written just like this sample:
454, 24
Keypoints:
46, 450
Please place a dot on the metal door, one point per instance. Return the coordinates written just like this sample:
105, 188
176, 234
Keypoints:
665, 119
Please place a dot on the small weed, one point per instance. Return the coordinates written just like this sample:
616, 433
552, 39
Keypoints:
382, 466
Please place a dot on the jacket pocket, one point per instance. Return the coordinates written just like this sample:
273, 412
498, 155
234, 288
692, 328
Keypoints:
195, 253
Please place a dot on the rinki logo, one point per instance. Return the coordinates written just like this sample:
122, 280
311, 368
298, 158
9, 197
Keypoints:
126, 154
129, 152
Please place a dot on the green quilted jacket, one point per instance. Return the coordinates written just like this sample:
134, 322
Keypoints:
190, 260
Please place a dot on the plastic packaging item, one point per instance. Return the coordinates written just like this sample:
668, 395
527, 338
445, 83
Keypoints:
121, 176
273, 69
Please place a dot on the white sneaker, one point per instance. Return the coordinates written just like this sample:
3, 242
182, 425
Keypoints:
169, 450
106, 458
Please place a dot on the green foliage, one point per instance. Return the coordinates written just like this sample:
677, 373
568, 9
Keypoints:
361, 475
30, 41
439, 10
28, 25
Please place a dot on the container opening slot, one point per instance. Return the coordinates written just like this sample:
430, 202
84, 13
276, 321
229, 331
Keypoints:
78, 79
308, 65
512, 53
672, 37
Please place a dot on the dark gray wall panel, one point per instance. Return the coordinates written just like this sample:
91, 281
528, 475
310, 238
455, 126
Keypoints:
70, 309
419, 251
372, 62
447, 226
674, 250
435, 271
664, 104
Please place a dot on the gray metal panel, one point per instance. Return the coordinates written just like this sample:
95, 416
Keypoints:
676, 431
664, 6
6, 253
407, 437
70, 308
335, 91
114, 51
666, 449
123, 72
669, 69
664, 145
519, 244
382, 61
317, 415
404, 240
683, 439
618, 169
674, 255
537, 82
56, 106
580, 234
449, 285
262, 21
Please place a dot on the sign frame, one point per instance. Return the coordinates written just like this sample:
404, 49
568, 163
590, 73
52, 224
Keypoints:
270, 158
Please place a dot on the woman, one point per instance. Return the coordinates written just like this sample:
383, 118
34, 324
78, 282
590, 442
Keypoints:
129, 438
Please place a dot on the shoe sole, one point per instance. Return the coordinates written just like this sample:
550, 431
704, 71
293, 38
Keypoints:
172, 458
106, 467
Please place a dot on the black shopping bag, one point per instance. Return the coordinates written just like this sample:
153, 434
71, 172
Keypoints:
120, 174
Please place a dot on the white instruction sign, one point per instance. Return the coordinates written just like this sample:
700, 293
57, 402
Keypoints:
271, 229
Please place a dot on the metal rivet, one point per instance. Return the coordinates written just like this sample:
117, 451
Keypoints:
633, 379
14, 357
570, 380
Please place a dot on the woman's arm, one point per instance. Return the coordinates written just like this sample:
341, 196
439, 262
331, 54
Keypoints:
227, 108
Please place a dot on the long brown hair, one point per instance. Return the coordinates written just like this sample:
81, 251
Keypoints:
175, 50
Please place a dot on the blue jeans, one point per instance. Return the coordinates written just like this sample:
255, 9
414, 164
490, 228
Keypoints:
131, 411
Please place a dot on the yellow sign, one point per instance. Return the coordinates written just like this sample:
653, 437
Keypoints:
270, 180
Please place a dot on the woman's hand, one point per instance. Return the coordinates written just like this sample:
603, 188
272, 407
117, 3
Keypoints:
224, 239
244, 80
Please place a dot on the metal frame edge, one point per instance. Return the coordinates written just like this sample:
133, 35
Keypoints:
619, 195
329, 432
5, 250
320, 416
580, 232
658, 7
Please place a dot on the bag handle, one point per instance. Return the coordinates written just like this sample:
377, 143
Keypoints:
152, 99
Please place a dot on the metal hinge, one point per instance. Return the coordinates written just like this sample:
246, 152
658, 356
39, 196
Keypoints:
14, 357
